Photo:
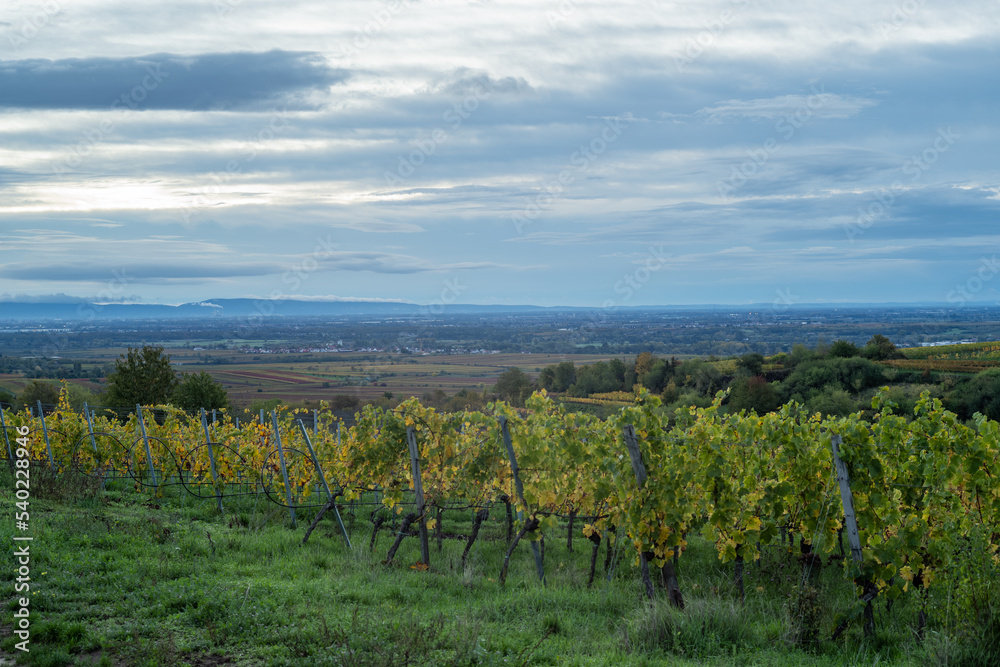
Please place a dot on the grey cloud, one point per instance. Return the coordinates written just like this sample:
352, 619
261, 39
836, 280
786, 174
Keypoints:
100, 272
376, 262
211, 81
819, 104
465, 81
381, 262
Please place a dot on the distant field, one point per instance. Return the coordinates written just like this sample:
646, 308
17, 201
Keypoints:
943, 365
15, 383
612, 398
356, 374
321, 376
965, 358
986, 351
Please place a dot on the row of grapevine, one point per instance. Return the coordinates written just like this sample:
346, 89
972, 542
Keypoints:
744, 481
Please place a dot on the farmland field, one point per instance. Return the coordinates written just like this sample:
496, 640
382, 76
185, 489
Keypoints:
320, 376
959, 358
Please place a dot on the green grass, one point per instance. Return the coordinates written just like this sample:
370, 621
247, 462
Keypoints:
122, 578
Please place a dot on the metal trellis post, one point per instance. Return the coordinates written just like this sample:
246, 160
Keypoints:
145, 439
211, 457
45, 432
322, 476
284, 470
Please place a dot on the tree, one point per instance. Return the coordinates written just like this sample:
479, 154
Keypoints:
513, 386
643, 364
141, 377
597, 378
198, 391
799, 354
752, 393
547, 378
751, 364
345, 402
658, 375
703, 376
619, 368
35, 391
880, 348
845, 349
565, 375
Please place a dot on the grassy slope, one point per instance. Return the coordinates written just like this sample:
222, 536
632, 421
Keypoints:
124, 579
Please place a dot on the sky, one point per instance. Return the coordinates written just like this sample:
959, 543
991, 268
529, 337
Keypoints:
525, 152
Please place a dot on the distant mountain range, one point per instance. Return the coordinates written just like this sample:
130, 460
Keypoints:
255, 308
238, 308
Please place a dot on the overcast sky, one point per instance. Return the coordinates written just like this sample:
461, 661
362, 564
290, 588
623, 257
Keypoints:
574, 152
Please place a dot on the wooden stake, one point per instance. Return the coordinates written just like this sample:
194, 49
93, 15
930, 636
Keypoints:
418, 488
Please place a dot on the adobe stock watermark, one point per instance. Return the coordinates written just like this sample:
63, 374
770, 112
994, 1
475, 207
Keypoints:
449, 294
579, 163
128, 101
378, 22
32, 24
785, 127
695, 47
451, 290
965, 292
899, 17
112, 290
562, 12
426, 147
914, 167
210, 195
783, 300
224, 7
628, 286
294, 279
57, 341
22, 554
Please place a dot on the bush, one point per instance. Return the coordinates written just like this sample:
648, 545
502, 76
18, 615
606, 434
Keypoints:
844, 349
37, 390
814, 377
345, 402
979, 394
752, 393
832, 401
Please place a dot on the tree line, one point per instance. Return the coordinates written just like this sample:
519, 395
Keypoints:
140, 377
833, 379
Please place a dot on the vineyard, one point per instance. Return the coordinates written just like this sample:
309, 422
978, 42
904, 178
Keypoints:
984, 351
910, 495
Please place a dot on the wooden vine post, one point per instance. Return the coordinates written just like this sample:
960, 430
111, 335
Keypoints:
418, 489
632, 445
853, 538
668, 572
528, 526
